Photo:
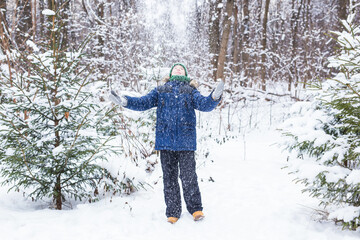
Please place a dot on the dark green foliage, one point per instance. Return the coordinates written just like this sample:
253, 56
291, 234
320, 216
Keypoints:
325, 135
54, 131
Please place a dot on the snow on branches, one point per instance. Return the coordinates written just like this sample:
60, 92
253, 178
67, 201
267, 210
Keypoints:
323, 136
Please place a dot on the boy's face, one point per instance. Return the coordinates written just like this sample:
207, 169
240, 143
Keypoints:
178, 70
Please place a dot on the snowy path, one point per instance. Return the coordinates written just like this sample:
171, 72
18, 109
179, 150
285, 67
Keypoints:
251, 198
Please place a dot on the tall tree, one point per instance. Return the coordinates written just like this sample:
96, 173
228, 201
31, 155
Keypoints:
307, 23
236, 42
41, 17
224, 40
214, 33
3, 7
263, 43
52, 152
245, 33
3, 24
294, 26
5, 37
24, 22
100, 38
33, 16
342, 8
63, 8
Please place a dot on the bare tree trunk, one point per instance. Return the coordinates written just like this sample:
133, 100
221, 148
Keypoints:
214, 34
34, 18
3, 6
256, 59
294, 22
245, 32
263, 42
342, 8
58, 186
224, 40
24, 22
63, 6
254, 66
293, 44
3, 24
236, 51
41, 18
65, 16
307, 53
51, 5
57, 193
101, 42
4, 37
101, 15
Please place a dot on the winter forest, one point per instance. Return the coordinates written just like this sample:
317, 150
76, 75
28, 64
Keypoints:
278, 158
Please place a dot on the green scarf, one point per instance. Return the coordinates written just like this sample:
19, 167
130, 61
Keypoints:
179, 78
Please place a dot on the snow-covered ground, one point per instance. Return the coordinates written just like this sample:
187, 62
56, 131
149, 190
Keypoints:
249, 197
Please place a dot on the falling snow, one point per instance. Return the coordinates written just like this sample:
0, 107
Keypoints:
245, 192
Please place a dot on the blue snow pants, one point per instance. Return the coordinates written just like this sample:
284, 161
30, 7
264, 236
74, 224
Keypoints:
171, 161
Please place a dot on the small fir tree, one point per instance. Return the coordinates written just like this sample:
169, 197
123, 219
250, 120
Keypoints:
325, 134
54, 131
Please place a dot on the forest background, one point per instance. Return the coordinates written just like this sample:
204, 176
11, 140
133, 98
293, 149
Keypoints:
250, 44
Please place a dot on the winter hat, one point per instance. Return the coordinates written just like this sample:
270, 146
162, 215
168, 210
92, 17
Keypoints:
186, 73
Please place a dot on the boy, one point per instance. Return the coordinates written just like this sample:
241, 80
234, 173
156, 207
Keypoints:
176, 102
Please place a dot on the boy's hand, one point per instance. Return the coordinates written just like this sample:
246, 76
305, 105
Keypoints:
218, 91
119, 100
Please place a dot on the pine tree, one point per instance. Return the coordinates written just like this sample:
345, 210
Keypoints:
325, 134
54, 131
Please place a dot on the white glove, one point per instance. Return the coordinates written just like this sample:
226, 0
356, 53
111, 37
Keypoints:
218, 91
119, 100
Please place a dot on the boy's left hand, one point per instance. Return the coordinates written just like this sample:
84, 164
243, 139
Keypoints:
218, 91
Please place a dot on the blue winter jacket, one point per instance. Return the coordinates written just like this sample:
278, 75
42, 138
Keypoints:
176, 102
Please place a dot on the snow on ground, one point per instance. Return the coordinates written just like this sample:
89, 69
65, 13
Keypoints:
250, 197
246, 195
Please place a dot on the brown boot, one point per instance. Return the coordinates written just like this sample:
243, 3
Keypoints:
198, 215
172, 220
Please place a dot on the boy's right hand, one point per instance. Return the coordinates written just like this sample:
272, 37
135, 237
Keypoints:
119, 100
